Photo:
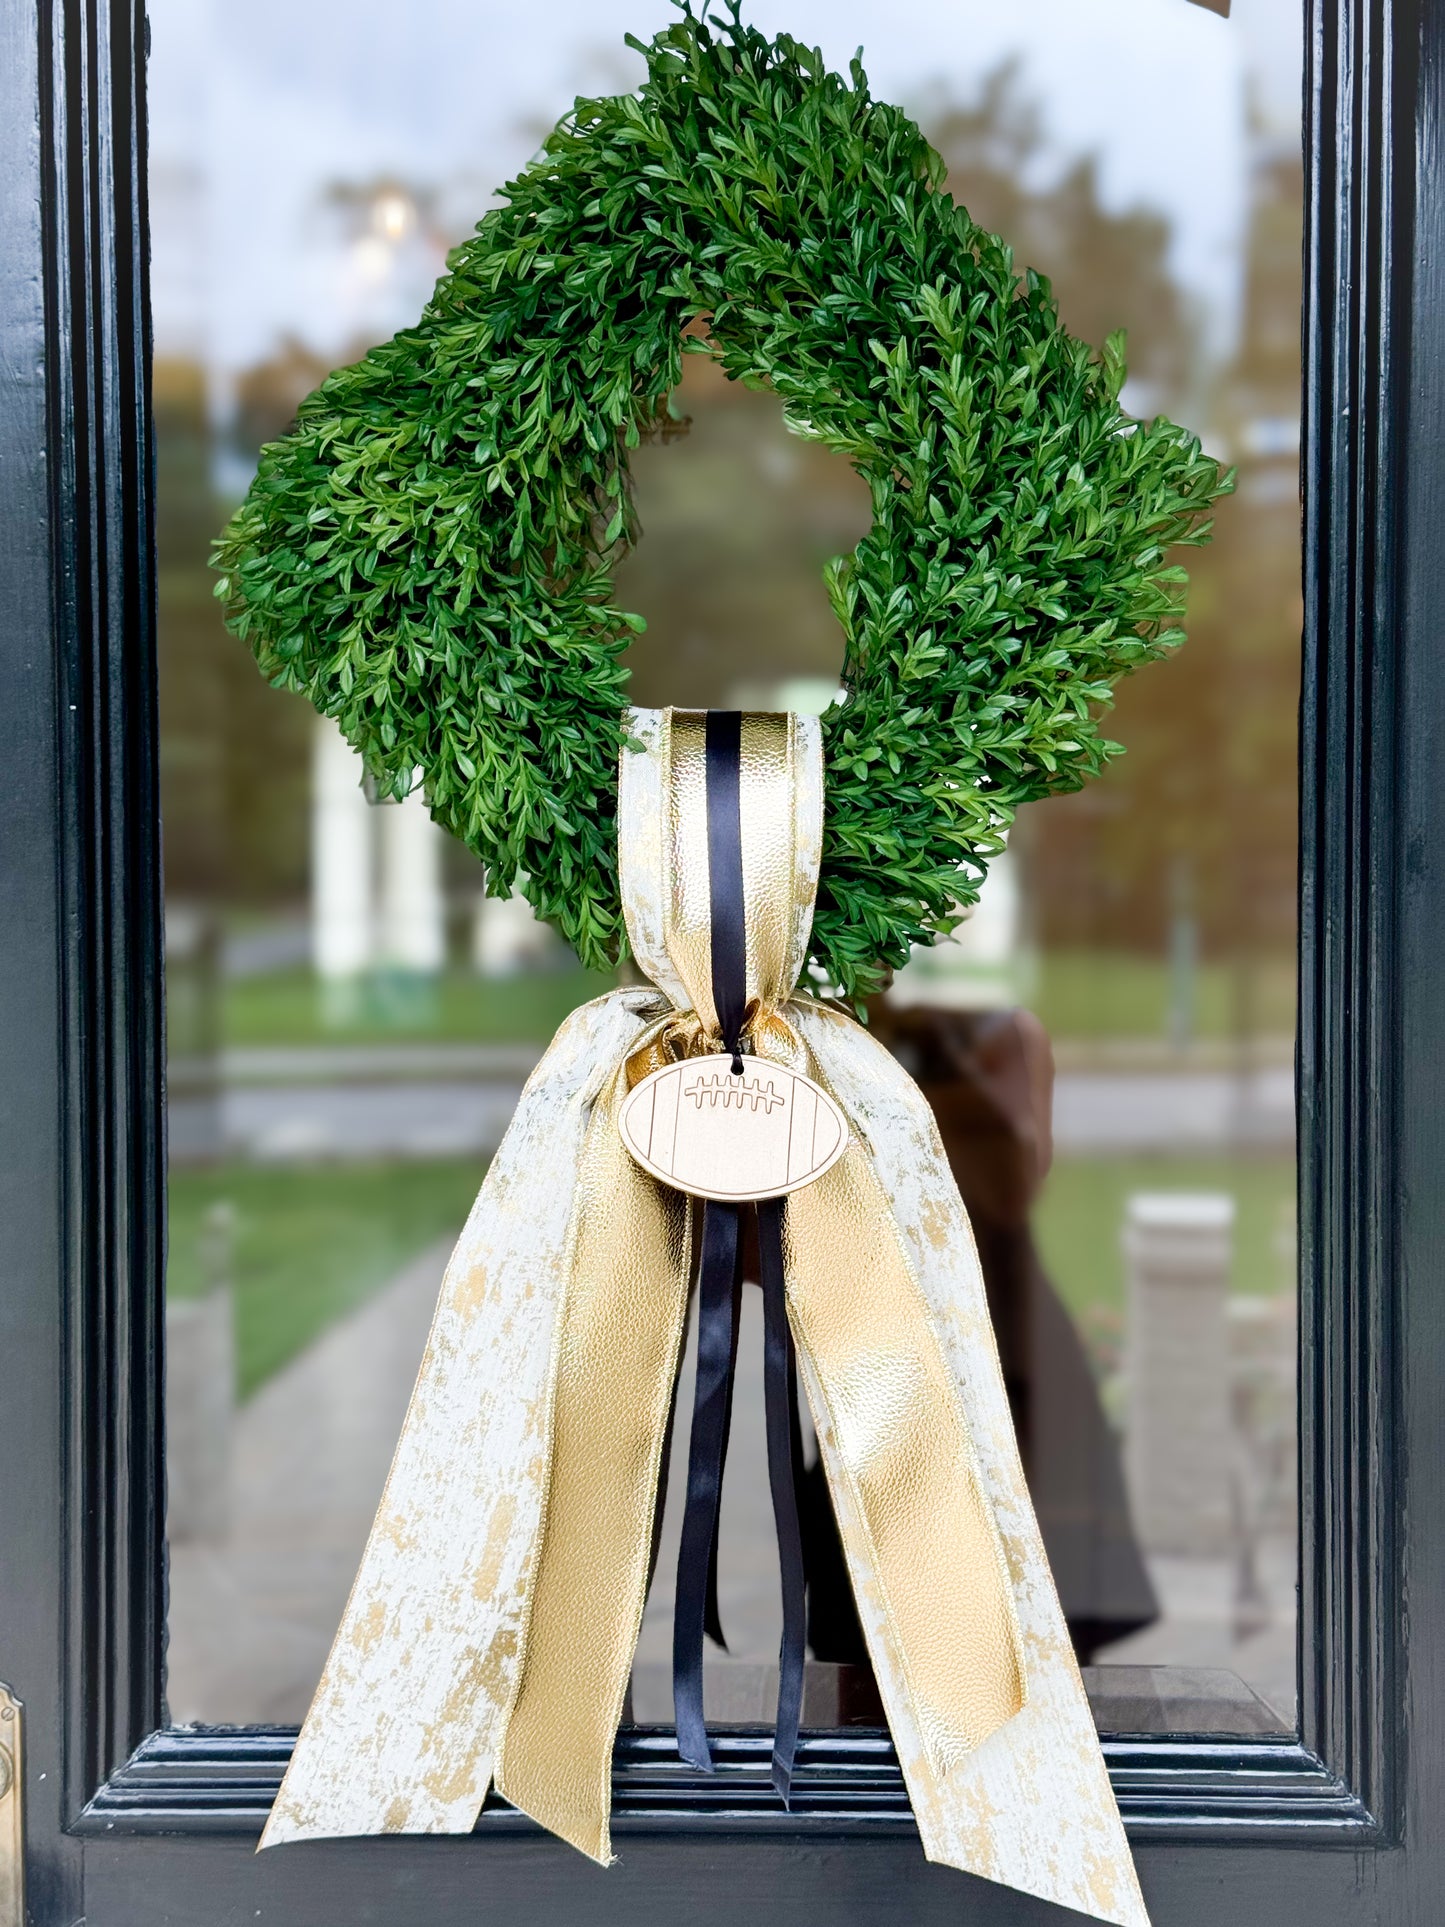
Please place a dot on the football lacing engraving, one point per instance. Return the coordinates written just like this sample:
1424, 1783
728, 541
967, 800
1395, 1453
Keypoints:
719, 1146
736, 1091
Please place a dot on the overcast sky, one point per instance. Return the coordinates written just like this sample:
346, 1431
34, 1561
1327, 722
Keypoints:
257, 107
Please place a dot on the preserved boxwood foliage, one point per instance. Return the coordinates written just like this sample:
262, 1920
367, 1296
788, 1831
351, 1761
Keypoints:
429, 554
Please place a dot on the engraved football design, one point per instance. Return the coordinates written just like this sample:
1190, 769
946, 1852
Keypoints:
715, 1135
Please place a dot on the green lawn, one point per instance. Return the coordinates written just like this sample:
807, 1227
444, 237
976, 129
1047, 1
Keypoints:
313, 1242
1092, 995
291, 1007
1082, 996
310, 1243
1080, 1220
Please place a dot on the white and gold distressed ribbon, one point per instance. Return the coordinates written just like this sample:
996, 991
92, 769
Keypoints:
491, 1629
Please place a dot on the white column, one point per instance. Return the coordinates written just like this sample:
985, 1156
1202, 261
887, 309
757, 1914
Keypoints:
200, 1414
341, 857
1179, 1251
411, 924
201, 1390
508, 937
983, 965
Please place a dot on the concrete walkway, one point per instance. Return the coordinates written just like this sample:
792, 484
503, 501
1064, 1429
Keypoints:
252, 1615
356, 1110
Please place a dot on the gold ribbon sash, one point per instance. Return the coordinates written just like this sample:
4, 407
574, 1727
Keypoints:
492, 1627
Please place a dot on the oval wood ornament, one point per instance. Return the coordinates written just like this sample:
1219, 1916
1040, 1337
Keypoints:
702, 1129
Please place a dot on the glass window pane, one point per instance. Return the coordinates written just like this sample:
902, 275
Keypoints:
1108, 1043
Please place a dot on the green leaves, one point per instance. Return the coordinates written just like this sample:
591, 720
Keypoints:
428, 554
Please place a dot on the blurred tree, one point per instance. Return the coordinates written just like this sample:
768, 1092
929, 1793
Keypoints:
1108, 269
190, 640
1208, 789
268, 395
234, 753
739, 518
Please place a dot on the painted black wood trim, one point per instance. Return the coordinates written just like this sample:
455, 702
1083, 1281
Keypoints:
1415, 1472
1360, 167
34, 1658
112, 1095
808, 1879
197, 1781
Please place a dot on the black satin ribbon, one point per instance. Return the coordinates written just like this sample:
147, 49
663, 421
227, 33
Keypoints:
780, 1391
713, 1622
723, 738
723, 752
707, 1450
719, 1284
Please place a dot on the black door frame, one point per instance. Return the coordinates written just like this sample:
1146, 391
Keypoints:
131, 1823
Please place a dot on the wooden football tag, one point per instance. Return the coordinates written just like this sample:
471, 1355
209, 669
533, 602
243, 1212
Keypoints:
710, 1133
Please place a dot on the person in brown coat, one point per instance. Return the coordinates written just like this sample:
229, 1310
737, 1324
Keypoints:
989, 1074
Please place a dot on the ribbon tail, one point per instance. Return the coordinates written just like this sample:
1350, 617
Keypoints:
697, 1552
712, 1620
964, 1629
780, 1392
621, 1323
405, 1726
713, 1625
696, 1597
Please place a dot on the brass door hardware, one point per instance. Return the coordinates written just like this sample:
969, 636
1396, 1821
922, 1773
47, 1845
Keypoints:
12, 1812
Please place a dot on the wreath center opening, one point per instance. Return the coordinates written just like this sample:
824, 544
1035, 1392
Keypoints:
738, 518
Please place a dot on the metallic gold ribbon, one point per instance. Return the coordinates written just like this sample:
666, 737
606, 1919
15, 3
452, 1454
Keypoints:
494, 1621
619, 1340
917, 1517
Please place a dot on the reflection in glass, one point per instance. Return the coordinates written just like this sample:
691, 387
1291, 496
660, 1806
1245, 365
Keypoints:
1107, 1045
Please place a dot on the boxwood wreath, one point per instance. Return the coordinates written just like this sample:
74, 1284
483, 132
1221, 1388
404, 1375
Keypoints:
428, 555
